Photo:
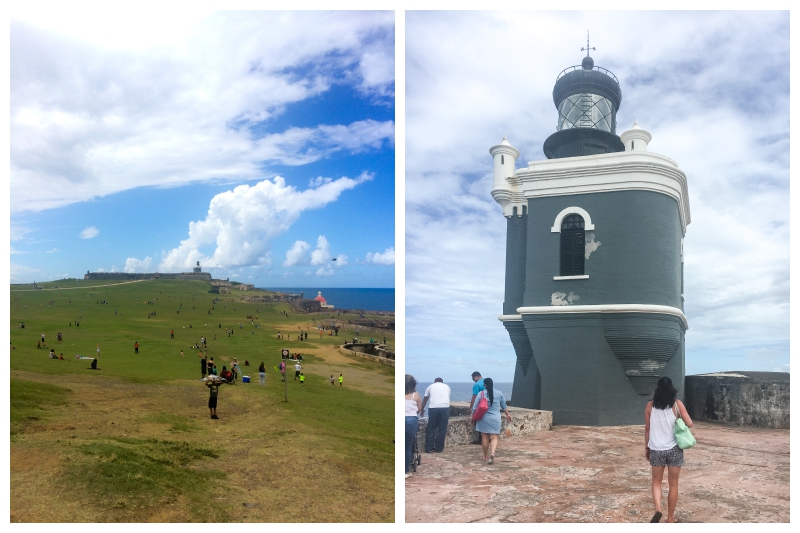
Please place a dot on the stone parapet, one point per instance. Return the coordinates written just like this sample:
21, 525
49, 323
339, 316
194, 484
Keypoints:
460, 430
740, 398
373, 352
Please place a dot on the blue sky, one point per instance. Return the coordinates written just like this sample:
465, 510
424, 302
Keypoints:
713, 90
259, 143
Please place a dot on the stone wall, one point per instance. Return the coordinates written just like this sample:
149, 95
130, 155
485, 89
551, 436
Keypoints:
460, 431
758, 399
103, 276
374, 352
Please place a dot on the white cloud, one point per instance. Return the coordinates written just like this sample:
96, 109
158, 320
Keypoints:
241, 223
322, 253
90, 233
137, 265
323, 271
21, 273
297, 254
189, 99
385, 258
736, 248
340, 260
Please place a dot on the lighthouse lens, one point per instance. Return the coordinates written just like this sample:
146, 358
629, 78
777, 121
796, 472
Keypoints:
586, 110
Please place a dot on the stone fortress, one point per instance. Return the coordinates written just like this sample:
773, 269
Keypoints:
196, 274
594, 260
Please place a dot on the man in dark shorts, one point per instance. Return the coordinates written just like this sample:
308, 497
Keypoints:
203, 363
213, 388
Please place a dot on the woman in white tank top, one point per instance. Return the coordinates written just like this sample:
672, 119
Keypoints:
661, 448
413, 408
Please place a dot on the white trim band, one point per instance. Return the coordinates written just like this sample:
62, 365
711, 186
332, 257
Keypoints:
509, 318
559, 278
609, 308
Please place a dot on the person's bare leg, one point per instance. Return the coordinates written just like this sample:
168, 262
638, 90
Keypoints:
485, 444
672, 498
493, 443
658, 477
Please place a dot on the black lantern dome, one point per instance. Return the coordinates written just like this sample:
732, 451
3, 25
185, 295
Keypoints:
587, 98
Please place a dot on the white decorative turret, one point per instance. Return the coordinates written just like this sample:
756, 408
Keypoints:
636, 139
505, 158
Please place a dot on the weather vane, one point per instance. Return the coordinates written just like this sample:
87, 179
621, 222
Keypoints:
587, 45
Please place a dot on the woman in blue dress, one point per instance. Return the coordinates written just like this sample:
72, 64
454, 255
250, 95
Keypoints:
489, 424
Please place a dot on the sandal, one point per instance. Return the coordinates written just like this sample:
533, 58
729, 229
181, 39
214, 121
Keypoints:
491, 459
656, 517
483, 458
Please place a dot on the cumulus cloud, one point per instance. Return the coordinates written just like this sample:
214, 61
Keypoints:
385, 258
322, 253
138, 265
297, 254
193, 101
241, 223
90, 233
736, 248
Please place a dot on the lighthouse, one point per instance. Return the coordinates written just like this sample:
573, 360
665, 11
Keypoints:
594, 260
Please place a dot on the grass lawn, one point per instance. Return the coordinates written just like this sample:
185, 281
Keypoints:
133, 441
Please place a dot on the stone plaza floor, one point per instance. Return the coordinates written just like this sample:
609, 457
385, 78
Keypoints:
591, 474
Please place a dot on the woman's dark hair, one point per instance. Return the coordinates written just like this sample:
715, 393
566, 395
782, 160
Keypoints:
665, 394
411, 384
489, 385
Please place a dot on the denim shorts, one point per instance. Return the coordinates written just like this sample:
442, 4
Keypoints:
671, 457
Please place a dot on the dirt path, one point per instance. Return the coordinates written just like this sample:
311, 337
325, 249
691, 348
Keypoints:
82, 287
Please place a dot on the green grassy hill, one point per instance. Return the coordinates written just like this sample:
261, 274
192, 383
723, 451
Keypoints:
133, 441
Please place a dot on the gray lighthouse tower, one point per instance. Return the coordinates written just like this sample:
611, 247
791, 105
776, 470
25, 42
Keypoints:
594, 260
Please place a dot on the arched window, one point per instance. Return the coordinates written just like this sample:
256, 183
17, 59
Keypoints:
573, 238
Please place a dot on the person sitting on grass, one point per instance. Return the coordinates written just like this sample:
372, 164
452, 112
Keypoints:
94, 364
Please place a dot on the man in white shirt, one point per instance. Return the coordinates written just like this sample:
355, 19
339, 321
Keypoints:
438, 394
297, 368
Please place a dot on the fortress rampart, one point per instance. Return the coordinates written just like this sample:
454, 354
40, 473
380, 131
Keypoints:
103, 276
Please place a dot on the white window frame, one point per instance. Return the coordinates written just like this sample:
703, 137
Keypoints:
587, 220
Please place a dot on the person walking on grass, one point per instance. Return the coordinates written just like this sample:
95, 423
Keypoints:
489, 425
302, 379
297, 370
213, 388
341, 378
262, 373
136, 347
661, 447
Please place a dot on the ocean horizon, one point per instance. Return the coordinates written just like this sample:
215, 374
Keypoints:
366, 299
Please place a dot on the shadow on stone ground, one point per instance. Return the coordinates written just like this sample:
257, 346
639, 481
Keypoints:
588, 474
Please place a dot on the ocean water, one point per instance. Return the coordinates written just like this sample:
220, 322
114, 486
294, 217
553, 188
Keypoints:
367, 299
462, 392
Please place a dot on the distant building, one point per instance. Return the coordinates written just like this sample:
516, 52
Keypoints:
196, 274
323, 303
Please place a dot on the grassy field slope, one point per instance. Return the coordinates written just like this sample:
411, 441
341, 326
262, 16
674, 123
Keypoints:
133, 441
